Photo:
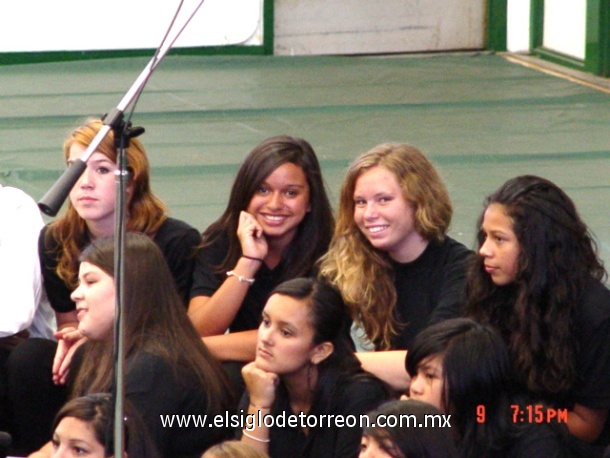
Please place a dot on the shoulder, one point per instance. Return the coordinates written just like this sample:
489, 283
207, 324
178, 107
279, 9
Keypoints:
594, 307
172, 227
361, 393
452, 249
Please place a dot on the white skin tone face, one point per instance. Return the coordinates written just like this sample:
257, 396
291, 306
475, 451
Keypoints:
500, 249
369, 448
427, 384
75, 438
281, 203
285, 337
93, 195
95, 299
385, 217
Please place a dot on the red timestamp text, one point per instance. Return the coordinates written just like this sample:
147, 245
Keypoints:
529, 413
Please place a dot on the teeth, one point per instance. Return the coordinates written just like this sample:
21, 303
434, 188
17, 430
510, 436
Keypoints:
377, 228
274, 218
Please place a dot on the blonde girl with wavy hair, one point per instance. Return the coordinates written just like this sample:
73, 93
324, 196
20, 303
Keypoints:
390, 255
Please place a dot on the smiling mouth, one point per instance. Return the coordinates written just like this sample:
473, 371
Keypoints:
376, 229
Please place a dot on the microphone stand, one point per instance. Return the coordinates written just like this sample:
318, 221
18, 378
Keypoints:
52, 201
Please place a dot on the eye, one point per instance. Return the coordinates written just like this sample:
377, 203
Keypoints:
359, 202
385, 199
55, 443
79, 450
286, 332
265, 322
291, 193
263, 190
102, 170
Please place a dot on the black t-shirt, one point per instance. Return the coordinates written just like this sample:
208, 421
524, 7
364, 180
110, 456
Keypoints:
430, 289
159, 396
176, 239
354, 398
206, 282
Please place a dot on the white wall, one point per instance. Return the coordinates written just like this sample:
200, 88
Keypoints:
69, 25
564, 28
518, 29
377, 26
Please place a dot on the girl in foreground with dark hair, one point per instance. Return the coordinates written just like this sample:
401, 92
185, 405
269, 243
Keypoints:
168, 370
463, 368
277, 224
305, 364
538, 279
407, 440
83, 427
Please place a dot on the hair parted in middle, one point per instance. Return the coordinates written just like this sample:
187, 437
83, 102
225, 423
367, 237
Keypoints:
363, 273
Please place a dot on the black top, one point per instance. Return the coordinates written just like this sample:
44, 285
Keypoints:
176, 239
206, 281
330, 439
591, 330
430, 289
161, 397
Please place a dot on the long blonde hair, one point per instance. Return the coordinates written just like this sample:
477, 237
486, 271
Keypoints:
146, 211
364, 274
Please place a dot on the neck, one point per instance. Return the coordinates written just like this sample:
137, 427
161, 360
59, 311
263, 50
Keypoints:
411, 250
301, 387
100, 230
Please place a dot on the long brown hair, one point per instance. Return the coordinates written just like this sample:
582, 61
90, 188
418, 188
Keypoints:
363, 273
315, 231
155, 322
146, 211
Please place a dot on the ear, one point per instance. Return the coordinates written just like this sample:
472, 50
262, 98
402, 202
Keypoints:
321, 352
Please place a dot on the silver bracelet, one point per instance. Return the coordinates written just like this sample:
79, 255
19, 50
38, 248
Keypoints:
241, 278
257, 439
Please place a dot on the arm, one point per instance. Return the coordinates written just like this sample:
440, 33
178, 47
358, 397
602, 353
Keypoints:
212, 315
68, 340
178, 242
585, 423
236, 346
388, 366
20, 278
261, 387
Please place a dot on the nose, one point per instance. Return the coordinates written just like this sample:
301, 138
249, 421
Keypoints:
85, 180
77, 294
485, 249
370, 211
416, 388
275, 201
265, 335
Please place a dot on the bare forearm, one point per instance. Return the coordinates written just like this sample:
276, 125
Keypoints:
212, 315
236, 346
388, 366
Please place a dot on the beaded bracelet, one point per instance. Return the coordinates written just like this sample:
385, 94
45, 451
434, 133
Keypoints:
241, 278
257, 439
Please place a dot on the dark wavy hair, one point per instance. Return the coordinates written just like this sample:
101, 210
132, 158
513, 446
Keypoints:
476, 375
535, 313
316, 229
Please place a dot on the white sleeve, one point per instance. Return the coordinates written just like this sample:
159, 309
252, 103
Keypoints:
20, 277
